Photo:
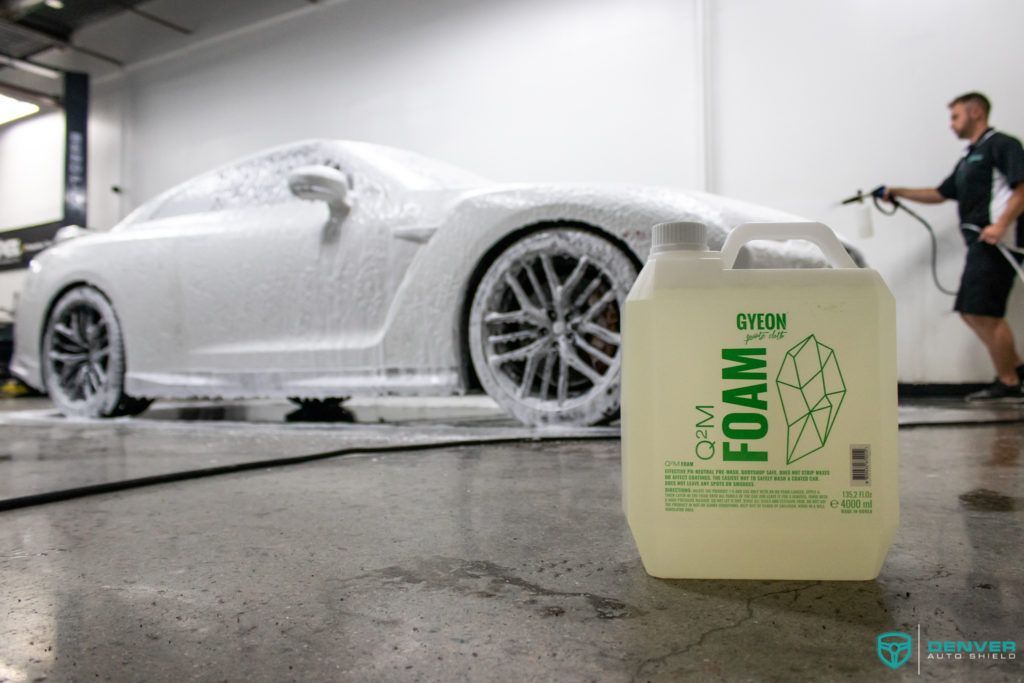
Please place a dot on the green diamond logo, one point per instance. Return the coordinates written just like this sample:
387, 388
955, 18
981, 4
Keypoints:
811, 389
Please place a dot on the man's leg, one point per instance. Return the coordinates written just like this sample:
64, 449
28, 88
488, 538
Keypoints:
997, 337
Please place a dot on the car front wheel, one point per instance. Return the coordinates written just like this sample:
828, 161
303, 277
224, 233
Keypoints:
545, 327
83, 357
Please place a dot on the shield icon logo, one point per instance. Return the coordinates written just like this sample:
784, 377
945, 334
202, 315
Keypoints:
894, 649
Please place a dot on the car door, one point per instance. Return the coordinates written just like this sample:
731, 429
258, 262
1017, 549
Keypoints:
255, 267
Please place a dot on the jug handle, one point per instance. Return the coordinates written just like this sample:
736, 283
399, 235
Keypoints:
818, 233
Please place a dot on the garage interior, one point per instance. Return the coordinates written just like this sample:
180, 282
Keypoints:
438, 538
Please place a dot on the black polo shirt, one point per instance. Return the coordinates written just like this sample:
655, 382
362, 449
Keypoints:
983, 181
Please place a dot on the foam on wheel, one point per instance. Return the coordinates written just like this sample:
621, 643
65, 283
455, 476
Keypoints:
83, 357
545, 327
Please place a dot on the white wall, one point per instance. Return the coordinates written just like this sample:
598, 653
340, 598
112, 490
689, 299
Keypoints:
32, 171
813, 100
513, 89
31, 184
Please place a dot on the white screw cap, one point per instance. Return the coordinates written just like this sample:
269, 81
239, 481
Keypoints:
686, 235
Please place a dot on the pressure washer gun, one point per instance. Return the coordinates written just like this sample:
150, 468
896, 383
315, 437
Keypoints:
865, 229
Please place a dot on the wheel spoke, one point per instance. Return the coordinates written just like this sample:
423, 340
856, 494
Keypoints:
521, 335
530, 372
593, 352
101, 374
553, 284
542, 299
563, 378
68, 372
545, 375
64, 357
69, 334
518, 354
577, 364
97, 335
80, 327
517, 289
81, 380
92, 384
608, 297
521, 317
601, 333
586, 293
574, 278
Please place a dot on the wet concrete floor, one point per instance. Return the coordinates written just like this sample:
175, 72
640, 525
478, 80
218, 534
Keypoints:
466, 562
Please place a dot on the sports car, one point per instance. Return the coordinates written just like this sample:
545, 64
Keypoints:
329, 269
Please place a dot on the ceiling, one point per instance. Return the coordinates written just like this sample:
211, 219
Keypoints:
105, 37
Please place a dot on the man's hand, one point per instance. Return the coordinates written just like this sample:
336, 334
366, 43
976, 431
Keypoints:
993, 233
925, 195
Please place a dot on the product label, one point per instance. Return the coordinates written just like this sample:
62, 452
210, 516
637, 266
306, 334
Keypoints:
765, 438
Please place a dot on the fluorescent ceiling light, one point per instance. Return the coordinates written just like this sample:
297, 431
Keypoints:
11, 109
30, 67
20, 8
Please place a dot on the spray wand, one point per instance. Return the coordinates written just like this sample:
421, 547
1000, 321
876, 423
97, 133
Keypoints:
876, 196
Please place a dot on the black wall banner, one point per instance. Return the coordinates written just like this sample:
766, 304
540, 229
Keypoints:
17, 247
76, 113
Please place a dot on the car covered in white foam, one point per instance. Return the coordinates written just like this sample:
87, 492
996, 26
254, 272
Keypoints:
329, 269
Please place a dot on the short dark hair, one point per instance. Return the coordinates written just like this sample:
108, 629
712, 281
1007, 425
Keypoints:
974, 98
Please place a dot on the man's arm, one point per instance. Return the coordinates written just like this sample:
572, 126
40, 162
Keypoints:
1014, 207
925, 195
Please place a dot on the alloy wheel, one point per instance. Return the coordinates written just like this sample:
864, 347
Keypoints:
546, 327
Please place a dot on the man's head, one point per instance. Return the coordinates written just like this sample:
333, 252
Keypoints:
968, 115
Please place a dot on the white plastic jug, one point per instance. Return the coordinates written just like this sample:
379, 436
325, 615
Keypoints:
759, 411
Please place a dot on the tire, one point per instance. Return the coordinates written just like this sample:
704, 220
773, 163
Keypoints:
83, 358
544, 327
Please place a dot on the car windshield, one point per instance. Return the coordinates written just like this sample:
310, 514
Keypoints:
412, 171
261, 178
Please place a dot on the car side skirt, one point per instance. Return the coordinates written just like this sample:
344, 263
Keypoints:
313, 384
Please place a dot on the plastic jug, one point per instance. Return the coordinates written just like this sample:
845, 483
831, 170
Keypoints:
759, 411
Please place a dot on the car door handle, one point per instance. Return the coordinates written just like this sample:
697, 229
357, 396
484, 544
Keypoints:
417, 234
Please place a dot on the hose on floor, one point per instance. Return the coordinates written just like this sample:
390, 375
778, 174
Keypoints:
170, 477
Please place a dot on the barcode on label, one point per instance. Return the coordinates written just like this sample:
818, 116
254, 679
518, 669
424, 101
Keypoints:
860, 465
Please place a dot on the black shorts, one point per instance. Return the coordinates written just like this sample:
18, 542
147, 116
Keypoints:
987, 279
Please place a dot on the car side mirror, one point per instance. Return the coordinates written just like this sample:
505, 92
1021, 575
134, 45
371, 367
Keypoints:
321, 183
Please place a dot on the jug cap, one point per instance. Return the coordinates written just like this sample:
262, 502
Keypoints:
685, 235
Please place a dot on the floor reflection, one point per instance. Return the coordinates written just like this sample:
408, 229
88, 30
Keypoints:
986, 500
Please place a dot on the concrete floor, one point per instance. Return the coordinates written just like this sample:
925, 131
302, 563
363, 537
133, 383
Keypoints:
468, 562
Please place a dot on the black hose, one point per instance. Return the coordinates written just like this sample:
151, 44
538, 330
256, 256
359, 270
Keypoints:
931, 233
140, 482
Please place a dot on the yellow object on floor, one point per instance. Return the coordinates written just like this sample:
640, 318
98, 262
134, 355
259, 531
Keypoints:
12, 388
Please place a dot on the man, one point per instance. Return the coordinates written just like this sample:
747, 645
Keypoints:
988, 184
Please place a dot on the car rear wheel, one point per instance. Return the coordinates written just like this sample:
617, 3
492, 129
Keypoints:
83, 358
545, 327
